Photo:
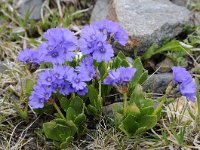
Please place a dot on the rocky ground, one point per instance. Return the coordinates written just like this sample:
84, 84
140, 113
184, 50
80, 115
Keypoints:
147, 22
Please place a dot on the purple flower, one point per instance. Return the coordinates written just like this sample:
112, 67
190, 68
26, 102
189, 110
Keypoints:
66, 88
56, 85
181, 75
188, 90
69, 73
78, 83
112, 78
88, 40
89, 33
83, 91
60, 46
126, 74
61, 35
103, 53
54, 55
94, 43
30, 56
46, 77
120, 76
184, 78
39, 96
113, 30
86, 69
59, 72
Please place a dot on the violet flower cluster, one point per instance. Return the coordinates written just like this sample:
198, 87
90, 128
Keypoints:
96, 39
120, 77
187, 86
60, 46
62, 79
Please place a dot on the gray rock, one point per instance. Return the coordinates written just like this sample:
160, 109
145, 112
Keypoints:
100, 8
34, 6
158, 83
146, 21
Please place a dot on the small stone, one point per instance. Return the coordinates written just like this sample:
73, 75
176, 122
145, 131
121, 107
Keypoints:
33, 6
165, 65
157, 83
107, 110
145, 21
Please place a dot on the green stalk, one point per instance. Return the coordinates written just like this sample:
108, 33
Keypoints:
58, 110
168, 91
198, 102
99, 97
73, 96
198, 95
125, 103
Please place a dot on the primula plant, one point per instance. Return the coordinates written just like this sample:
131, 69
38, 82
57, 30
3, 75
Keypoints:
75, 75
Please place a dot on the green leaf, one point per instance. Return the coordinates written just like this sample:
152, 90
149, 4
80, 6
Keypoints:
116, 63
117, 109
137, 95
124, 63
172, 45
143, 77
118, 117
133, 109
138, 65
29, 87
150, 52
129, 125
77, 105
58, 132
119, 60
66, 143
80, 119
147, 110
64, 103
103, 70
140, 130
93, 95
148, 121
93, 110
71, 114
121, 55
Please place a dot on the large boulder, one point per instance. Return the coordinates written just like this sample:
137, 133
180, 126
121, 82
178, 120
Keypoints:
146, 21
30, 6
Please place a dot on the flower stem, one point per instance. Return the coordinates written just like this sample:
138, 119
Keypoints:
168, 91
198, 103
125, 103
198, 95
58, 110
99, 97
